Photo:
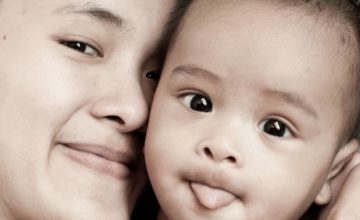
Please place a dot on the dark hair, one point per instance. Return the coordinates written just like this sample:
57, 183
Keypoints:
355, 18
356, 3
147, 206
175, 17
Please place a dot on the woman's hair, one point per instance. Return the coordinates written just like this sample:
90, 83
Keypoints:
175, 17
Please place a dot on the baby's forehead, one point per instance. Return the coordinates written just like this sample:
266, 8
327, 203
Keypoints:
320, 23
309, 36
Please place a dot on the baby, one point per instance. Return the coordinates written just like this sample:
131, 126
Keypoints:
256, 109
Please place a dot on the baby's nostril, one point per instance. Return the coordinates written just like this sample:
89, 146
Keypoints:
208, 152
115, 119
231, 159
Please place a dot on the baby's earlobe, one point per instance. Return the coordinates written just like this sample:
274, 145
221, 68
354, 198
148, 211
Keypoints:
342, 157
324, 196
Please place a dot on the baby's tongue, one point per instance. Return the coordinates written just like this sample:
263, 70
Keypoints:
212, 198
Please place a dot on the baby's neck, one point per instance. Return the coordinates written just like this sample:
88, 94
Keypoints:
161, 216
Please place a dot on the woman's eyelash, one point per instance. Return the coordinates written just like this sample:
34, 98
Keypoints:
154, 75
82, 47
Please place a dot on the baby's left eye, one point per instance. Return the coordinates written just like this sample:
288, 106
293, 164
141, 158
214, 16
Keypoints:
275, 127
197, 102
82, 47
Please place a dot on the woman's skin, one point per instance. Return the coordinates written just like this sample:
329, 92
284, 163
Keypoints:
74, 97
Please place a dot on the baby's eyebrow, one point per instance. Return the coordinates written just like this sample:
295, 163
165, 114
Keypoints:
95, 11
196, 71
291, 99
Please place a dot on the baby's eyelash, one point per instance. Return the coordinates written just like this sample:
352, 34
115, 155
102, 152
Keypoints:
196, 102
276, 127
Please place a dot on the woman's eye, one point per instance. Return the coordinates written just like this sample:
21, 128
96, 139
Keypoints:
82, 48
197, 102
275, 127
153, 75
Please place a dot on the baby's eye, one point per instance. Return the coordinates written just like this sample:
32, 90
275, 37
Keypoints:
154, 75
82, 47
275, 127
197, 102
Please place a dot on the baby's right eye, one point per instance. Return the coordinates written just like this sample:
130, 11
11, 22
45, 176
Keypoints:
276, 128
82, 47
197, 102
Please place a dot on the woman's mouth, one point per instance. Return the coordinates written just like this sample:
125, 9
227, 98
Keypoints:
94, 158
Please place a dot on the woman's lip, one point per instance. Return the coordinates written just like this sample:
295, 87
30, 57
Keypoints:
112, 153
96, 162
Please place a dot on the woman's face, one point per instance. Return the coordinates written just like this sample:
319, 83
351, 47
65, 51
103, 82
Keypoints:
73, 96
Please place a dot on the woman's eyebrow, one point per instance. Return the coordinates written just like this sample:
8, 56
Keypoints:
95, 11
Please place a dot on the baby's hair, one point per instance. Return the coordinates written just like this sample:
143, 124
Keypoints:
356, 3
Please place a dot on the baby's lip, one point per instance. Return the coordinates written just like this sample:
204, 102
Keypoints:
211, 197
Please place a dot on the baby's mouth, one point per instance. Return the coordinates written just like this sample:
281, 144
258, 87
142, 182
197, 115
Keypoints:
210, 197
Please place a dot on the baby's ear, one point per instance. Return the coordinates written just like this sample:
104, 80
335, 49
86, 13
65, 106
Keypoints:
342, 157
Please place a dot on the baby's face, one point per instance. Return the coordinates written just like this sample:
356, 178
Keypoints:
247, 116
73, 94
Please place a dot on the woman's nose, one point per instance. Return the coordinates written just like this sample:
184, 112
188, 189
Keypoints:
125, 110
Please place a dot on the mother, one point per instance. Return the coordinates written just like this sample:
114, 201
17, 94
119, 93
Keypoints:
73, 97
